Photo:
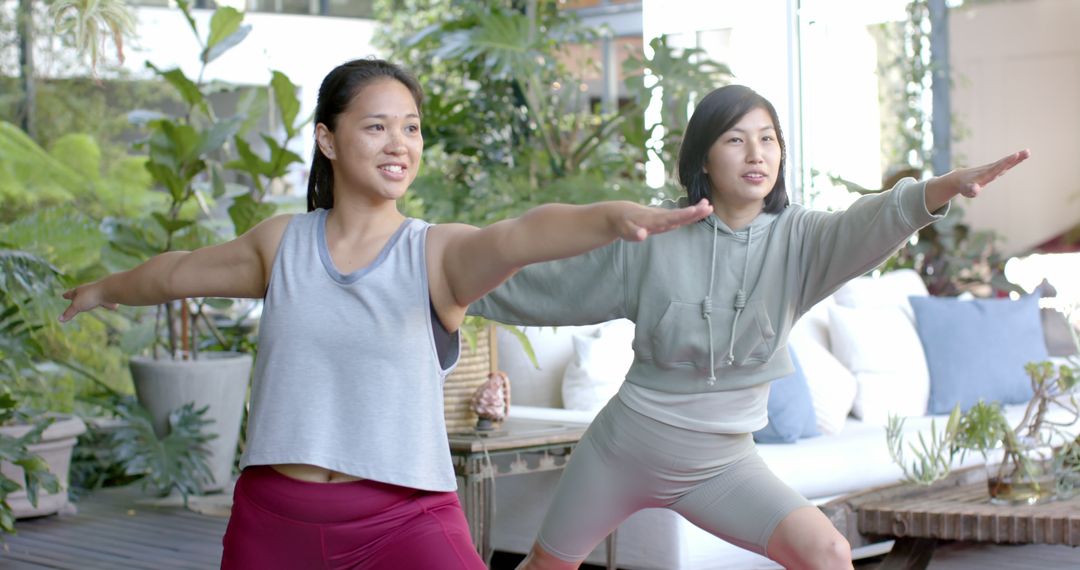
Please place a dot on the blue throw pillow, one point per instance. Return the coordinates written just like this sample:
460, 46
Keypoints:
791, 412
977, 349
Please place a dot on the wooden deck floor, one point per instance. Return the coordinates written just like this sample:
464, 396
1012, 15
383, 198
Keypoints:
116, 529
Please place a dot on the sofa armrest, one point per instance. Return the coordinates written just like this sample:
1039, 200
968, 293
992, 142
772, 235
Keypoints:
555, 414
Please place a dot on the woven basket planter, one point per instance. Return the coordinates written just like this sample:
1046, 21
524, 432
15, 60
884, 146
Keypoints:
472, 370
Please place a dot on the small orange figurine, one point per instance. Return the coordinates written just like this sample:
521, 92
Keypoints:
491, 402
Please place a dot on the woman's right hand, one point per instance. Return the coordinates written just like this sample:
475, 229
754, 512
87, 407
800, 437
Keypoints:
84, 298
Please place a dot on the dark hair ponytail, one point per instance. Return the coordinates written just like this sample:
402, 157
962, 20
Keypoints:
321, 176
336, 92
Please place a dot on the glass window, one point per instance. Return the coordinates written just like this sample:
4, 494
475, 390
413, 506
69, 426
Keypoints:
351, 8
849, 79
285, 6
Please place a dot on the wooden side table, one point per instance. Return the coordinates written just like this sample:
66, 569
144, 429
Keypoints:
518, 446
956, 508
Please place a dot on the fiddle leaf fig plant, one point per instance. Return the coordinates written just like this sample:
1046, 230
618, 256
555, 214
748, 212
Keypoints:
251, 208
189, 155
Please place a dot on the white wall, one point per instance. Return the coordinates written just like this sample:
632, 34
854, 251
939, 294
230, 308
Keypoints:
1016, 70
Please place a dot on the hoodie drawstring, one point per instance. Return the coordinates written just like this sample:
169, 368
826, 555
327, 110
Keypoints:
706, 311
740, 304
740, 301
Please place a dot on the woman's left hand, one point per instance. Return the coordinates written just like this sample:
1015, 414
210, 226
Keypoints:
969, 181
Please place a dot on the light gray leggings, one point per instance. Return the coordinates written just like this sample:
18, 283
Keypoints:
627, 462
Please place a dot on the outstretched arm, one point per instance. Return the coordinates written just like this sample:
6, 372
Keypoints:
469, 262
968, 181
239, 268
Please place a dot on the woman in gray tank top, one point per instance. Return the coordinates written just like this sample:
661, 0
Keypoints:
347, 461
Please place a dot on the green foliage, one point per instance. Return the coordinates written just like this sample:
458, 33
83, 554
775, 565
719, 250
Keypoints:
507, 122
90, 20
48, 366
189, 152
933, 454
679, 77
984, 427
29, 177
951, 257
22, 276
132, 450
14, 450
70, 174
251, 208
94, 464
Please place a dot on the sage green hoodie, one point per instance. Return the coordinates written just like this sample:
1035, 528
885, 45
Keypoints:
712, 307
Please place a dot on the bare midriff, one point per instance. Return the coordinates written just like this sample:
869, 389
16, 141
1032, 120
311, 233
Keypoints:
313, 473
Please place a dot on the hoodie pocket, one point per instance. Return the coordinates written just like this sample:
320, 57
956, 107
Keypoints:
680, 337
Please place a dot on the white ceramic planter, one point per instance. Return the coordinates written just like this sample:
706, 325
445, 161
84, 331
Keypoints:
55, 446
218, 380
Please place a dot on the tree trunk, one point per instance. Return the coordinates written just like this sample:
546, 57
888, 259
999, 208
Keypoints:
25, 22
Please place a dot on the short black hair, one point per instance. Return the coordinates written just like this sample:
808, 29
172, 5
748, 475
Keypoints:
718, 113
336, 92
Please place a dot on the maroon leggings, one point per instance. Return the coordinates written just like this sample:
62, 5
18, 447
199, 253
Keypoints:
281, 522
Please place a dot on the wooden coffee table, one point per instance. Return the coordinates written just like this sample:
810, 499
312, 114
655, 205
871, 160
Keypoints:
956, 508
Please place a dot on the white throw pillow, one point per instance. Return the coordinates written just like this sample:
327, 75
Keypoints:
832, 386
599, 366
881, 347
892, 289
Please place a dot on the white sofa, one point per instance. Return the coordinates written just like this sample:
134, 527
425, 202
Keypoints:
867, 326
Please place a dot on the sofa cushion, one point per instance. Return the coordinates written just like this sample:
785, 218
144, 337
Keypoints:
539, 384
791, 412
889, 289
599, 365
832, 386
976, 349
881, 348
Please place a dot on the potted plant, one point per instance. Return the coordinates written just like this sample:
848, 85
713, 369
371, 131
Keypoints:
23, 473
188, 156
34, 453
1031, 462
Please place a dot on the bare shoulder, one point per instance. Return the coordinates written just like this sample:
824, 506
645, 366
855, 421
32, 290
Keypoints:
441, 235
266, 235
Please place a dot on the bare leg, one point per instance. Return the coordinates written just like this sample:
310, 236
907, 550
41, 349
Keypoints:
540, 559
805, 539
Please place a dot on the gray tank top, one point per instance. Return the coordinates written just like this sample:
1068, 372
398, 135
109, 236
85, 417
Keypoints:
347, 375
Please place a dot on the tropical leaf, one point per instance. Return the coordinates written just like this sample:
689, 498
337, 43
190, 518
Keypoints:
64, 237
245, 213
189, 91
286, 101
225, 32
176, 461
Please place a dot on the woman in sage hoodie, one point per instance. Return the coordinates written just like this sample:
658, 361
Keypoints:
712, 304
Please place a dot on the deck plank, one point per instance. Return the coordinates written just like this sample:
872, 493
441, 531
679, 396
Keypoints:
114, 529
